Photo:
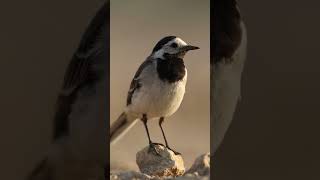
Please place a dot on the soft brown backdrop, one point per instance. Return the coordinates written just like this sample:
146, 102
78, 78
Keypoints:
38, 39
276, 128
136, 26
275, 133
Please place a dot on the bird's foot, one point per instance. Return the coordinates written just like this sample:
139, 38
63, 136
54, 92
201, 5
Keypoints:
152, 148
175, 152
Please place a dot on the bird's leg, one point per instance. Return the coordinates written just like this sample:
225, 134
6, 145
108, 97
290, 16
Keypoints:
151, 144
144, 120
164, 136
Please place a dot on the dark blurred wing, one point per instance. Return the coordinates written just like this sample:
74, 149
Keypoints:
135, 83
80, 71
226, 29
229, 51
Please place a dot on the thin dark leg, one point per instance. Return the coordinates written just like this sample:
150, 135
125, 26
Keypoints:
164, 136
151, 144
144, 120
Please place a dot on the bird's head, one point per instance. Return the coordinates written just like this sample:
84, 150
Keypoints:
171, 46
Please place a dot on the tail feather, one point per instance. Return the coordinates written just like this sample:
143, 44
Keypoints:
41, 172
121, 126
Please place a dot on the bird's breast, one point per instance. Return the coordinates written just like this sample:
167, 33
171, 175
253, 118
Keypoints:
158, 97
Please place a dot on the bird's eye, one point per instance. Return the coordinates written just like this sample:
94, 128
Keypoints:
174, 45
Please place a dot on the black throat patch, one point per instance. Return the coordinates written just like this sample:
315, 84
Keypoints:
171, 69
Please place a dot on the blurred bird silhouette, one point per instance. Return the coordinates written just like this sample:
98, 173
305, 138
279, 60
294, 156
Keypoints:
229, 42
79, 147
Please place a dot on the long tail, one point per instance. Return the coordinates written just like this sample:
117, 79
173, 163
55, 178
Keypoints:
41, 172
121, 127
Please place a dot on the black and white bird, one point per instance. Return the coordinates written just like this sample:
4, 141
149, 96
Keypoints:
157, 88
229, 54
79, 144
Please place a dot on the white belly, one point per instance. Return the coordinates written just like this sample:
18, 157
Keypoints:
158, 99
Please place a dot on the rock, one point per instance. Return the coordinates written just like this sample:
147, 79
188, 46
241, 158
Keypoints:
129, 175
163, 164
159, 167
201, 166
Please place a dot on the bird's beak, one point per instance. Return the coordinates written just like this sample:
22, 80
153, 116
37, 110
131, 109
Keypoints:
188, 48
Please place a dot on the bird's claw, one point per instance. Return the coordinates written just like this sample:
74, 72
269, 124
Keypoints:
175, 152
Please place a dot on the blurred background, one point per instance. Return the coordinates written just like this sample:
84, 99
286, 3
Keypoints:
38, 39
136, 26
275, 132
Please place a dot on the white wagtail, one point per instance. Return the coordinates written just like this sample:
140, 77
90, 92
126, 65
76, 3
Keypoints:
157, 88
229, 54
79, 144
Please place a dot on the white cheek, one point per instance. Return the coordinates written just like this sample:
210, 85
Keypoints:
171, 50
158, 54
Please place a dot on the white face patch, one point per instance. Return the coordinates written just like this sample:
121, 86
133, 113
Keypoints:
179, 41
170, 48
